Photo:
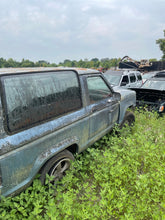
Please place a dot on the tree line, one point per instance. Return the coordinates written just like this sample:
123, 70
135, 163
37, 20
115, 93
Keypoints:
104, 63
93, 63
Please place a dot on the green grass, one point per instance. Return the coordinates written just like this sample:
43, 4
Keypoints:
119, 177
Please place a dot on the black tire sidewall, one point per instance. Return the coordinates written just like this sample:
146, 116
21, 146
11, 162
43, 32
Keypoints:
52, 162
129, 117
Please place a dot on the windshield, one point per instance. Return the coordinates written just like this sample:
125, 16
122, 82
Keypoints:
148, 75
113, 79
151, 84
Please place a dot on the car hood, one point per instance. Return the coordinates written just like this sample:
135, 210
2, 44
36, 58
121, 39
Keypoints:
152, 95
128, 97
123, 91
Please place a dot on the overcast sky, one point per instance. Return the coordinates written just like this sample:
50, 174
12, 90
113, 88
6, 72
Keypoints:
55, 30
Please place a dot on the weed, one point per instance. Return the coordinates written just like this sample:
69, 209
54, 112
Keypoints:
119, 177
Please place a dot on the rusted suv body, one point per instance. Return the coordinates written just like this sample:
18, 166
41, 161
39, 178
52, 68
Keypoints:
47, 115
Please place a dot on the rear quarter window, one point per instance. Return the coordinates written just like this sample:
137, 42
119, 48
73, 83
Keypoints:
33, 98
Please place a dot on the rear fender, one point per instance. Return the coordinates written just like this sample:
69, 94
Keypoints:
45, 156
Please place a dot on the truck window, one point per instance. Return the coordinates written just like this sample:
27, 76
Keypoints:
139, 76
132, 78
34, 98
97, 88
125, 80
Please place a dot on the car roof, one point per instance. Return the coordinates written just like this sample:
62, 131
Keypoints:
121, 72
80, 71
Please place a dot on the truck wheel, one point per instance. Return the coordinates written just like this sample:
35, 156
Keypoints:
129, 119
57, 166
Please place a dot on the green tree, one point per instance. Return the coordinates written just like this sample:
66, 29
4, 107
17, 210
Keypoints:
152, 60
12, 63
80, 63
67, 63
95, 63
95, 59
2, 62
42, 63
74, 63
161, 43
27, 63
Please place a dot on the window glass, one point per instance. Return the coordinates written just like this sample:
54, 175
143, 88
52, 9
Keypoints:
139, 76
32, 98
113, 79
98, 90
153, 84
132, 78
125, 79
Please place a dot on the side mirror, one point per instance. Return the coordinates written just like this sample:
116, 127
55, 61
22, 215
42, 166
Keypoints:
117, 96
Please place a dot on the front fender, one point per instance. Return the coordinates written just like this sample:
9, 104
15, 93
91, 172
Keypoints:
128, 99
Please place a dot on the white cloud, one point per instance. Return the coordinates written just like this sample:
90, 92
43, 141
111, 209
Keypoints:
11, 23
108, 4
130, 13
85, 8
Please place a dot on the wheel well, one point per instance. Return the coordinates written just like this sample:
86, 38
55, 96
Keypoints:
131, 107
73, 148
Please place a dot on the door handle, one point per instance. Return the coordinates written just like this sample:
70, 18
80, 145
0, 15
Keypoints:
97, 108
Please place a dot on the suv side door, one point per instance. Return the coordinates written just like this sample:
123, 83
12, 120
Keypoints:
103, 106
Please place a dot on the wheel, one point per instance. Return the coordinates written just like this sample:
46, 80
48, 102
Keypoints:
57, 166
129, 119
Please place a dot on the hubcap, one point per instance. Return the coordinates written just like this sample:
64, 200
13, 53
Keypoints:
60, 168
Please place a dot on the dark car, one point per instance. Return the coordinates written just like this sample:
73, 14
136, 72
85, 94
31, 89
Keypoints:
152, 93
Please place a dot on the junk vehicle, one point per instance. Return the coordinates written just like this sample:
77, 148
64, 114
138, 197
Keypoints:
124, 77
49, 114
148, 75
143, 65
152, 93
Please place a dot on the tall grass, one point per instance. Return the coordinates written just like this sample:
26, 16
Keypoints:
119, 177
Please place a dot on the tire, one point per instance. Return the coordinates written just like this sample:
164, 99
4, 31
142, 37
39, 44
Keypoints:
129, 119
57, 166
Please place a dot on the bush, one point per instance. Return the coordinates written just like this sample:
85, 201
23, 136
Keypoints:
119, 177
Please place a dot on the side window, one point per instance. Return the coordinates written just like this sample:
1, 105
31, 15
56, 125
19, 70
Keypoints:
98, 89
125, 80
139, 76
33, 98
132, 78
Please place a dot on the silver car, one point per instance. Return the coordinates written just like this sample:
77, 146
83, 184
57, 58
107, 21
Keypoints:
124, 77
